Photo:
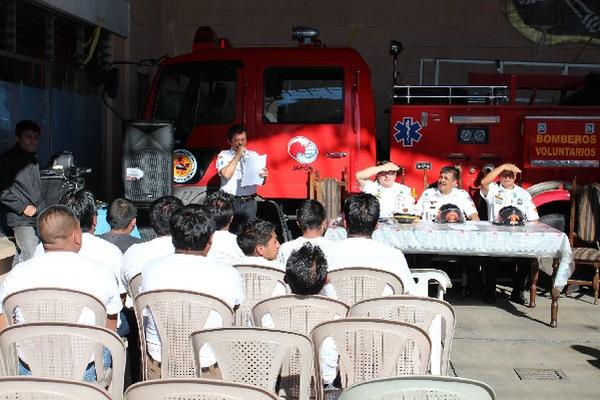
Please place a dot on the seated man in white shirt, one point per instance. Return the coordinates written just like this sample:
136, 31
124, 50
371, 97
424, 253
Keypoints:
393, 197
306, 274
60, 266
224, 246
312, 220
189, 268
137, 255
361, 214
446, 192
498, 196
259, 243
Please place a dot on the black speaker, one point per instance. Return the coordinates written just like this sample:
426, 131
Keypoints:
147, 160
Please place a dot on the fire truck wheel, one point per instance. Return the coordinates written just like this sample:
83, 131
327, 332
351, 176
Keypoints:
557, 221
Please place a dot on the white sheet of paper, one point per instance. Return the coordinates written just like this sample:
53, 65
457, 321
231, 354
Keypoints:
253, 166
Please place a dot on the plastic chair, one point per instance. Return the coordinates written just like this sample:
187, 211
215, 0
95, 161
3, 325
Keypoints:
256, 356
299, 314
371, 348
62, 350
418, 388
177, 313
193, 389
53, 305
259, 283
425, 275
133, 286
34, 388
359, 283
421, 312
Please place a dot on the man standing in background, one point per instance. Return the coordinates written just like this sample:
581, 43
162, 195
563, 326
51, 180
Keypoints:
21, 187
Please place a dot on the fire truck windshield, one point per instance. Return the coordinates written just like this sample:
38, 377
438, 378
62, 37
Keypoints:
196, 94
303, 95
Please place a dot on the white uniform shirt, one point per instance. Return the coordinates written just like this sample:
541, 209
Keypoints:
224, 248
396, 198
66, 270
140, 253
363, 252
288, 247
195, 273
498, 197
432, 199
233, 184
101, 251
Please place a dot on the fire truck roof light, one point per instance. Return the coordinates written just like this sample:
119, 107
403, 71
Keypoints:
475, 119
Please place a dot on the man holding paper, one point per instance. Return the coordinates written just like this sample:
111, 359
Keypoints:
241, 171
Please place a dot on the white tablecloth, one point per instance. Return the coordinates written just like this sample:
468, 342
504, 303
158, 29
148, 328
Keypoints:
479, 238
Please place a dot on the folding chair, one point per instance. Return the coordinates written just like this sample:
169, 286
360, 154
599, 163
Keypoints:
359, 283
193, 389
35, 388
256, 356
259, 283
419, 388
176, 314
62, 350
370, 349
426, 275
434, 316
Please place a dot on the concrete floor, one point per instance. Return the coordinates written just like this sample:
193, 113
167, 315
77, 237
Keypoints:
490, 341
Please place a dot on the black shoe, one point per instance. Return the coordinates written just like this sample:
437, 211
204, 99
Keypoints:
518, 297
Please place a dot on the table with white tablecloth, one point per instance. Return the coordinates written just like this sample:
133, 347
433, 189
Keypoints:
479, 238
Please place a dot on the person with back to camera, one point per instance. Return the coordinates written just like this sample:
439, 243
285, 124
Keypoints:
446, 192
21, 188
361, 215
498, 196
312, 220
60, 265
190, 268
122, 218
393, 197
230, 165
224, 246
139, 254
306, 275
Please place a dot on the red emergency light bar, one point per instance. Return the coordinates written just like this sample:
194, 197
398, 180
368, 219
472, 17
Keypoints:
206, 38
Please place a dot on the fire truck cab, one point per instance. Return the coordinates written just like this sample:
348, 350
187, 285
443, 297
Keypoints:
309, 108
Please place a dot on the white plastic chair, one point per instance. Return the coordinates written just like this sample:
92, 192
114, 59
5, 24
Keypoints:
259, 283
176, 314
36, 388
425, 275
434, 316
133, 286
194, 389
372, 348
420, 388
61, 350
359, 283
256, 356
52, 305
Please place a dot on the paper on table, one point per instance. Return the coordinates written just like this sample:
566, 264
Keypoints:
251, 169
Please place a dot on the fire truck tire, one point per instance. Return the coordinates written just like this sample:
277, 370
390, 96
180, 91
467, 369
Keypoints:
538, 188
557, 221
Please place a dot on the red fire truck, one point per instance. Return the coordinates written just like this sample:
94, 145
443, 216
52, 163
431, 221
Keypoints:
310, 108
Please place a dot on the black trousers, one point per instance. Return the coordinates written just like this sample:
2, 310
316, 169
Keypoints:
244, 208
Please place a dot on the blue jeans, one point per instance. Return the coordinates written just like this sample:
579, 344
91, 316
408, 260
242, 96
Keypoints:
27, 240
90, 371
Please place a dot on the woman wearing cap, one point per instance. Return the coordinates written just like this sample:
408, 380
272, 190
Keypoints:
497, 197
393, 197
